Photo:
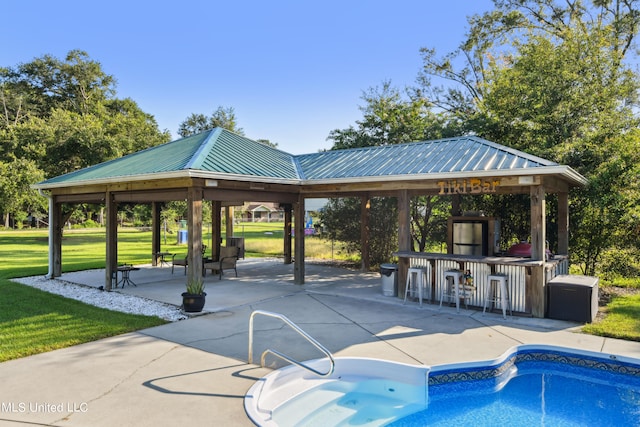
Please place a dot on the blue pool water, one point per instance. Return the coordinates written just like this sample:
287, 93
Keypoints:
538, 393
528, 386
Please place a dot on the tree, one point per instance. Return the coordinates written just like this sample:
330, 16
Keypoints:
65, 111
16, 196
59, 116
340, 218
222, 117
390, 117
66, 141
495, 35
552, 79
36, 88
131, 128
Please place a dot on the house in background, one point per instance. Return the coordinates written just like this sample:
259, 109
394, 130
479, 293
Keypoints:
261, 212
273, 212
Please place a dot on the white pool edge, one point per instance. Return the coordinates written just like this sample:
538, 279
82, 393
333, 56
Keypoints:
284, 384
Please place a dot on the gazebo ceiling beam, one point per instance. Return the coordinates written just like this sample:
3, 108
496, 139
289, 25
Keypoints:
166, 195
225, 195
81, 198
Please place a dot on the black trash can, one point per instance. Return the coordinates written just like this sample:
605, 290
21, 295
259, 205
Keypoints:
389, 274
573, 298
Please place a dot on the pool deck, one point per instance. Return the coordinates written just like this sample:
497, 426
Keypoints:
196, 370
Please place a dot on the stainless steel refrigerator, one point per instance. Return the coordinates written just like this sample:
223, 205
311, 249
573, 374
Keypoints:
470, 238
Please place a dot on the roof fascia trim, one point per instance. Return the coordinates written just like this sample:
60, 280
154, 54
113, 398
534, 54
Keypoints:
184, 173
564, 171
242, 178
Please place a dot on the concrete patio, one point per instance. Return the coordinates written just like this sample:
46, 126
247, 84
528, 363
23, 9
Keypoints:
196, 370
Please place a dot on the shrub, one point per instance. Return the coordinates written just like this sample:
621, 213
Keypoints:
617, 263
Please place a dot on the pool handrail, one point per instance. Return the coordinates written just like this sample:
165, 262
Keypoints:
284, 356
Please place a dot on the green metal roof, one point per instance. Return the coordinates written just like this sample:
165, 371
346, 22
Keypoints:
218, 153
226, 152
461, 154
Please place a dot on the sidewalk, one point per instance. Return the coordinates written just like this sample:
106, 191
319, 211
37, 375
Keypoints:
196, 370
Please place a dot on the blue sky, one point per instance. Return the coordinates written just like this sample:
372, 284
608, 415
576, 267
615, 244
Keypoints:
292, 70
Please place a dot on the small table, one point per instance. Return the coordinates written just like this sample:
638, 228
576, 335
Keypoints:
126, 270
163, 257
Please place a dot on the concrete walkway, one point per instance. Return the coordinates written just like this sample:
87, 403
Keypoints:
195, 371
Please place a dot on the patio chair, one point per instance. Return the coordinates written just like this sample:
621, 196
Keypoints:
184, 262
228, 260
179, 261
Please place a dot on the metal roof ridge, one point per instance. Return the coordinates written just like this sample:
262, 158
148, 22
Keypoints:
201, 153
298, 167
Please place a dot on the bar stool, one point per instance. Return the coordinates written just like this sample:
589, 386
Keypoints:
490, 295
452, 289
417, 277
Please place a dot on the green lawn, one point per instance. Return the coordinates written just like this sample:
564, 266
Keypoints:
33, 321
621, 320
25, 253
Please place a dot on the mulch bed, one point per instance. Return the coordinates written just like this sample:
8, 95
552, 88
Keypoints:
608, 292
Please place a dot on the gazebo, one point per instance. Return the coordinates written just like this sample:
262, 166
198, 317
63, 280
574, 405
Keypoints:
228, 169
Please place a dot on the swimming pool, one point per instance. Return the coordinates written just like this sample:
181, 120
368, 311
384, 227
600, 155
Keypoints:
534, 386
528, 385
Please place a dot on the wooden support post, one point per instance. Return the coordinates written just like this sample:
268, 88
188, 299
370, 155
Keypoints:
216, 229
194, 237
55, 238
537, 289
538, 223
455, 205
287, 233
229, 224
111, 263
536, 292
365, 209
404, 238
156, 224
298, 264
563, 223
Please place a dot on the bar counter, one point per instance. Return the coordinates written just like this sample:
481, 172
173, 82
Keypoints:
525, 298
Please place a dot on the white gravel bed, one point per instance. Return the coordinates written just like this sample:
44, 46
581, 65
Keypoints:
109, 300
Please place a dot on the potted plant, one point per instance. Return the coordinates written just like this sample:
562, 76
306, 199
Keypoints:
194, 298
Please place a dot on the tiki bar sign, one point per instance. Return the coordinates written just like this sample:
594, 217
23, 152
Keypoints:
468, 186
